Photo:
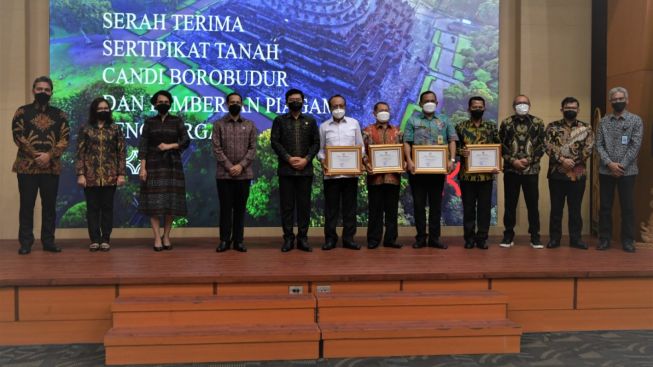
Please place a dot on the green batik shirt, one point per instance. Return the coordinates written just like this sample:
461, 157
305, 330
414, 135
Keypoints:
420, 130
468, 133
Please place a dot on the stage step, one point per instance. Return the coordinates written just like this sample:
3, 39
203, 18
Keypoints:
416, 323
195, 344
189, 329
412, 306
212, 310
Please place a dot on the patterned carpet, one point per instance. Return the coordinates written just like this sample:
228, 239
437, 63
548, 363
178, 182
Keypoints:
597, 348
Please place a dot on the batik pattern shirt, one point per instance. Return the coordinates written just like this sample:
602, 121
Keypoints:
100, 155
618, 139
568, 141
522, 137
39, 129
382, 134
234, 142
468, 133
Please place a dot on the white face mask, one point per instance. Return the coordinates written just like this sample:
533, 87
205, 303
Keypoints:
338, 113
383, 116
522, 109
429, 107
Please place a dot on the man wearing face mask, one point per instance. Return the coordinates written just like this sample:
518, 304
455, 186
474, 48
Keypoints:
568, 143
339, 130
234, 147
427, 129
295, 138
41, 133
522, 147
476, 187
383, 188
618, 140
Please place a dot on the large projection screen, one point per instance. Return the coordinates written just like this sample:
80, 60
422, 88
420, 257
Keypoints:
201, 50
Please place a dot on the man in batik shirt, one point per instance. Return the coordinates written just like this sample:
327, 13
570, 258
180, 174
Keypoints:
568, 143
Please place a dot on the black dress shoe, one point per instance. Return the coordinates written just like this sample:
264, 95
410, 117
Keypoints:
579, 245
329, 246
372, 245
52, 248
24, 250
603, 245
553, 244
240, 247
351, 245
393, 245
288, 245
629, 247
469, 244
438, 244
419, 244
482, 245
302, 245
223, 246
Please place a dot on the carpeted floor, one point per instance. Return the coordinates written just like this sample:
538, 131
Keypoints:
596, 348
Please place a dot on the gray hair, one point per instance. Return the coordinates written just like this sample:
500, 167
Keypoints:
617, 90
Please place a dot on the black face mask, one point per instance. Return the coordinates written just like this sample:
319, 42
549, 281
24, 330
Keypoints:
570, 114
104, 115
234, 109
619, 106
476, 114
163, 108
42, 98
295, 106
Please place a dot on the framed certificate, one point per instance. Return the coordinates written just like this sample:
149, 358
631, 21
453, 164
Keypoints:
483, 158
430, 158
345, 160
386, 158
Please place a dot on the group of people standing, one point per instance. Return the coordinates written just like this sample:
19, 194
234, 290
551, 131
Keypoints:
41, 133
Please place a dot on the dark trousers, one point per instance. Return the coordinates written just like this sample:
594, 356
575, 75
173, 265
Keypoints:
99, 212
383, 201
427, 188
339, 190
512, 184
477, 207
28, 187
233, 196
573, 192
295, 193
625, 186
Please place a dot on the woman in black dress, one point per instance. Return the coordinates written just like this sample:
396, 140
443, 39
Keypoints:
163, 189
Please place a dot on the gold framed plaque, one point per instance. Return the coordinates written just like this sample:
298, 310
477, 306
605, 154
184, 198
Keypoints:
343, 160
386, 158
483, 158
430, 158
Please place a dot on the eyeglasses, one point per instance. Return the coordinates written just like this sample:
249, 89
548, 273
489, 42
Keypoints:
622, 99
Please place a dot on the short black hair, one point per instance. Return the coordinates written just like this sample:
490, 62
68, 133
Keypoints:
377, 104
421, 96
475, 98
568, 100
294, 91
234, 94
43, 79
92, 112
336, 96
161, 92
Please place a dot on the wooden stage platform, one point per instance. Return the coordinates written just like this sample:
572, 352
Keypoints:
330, 303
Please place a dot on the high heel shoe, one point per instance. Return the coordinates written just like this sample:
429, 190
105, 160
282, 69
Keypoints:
166, 247
157, 248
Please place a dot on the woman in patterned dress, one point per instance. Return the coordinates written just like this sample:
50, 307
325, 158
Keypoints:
163, 189
100, 167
